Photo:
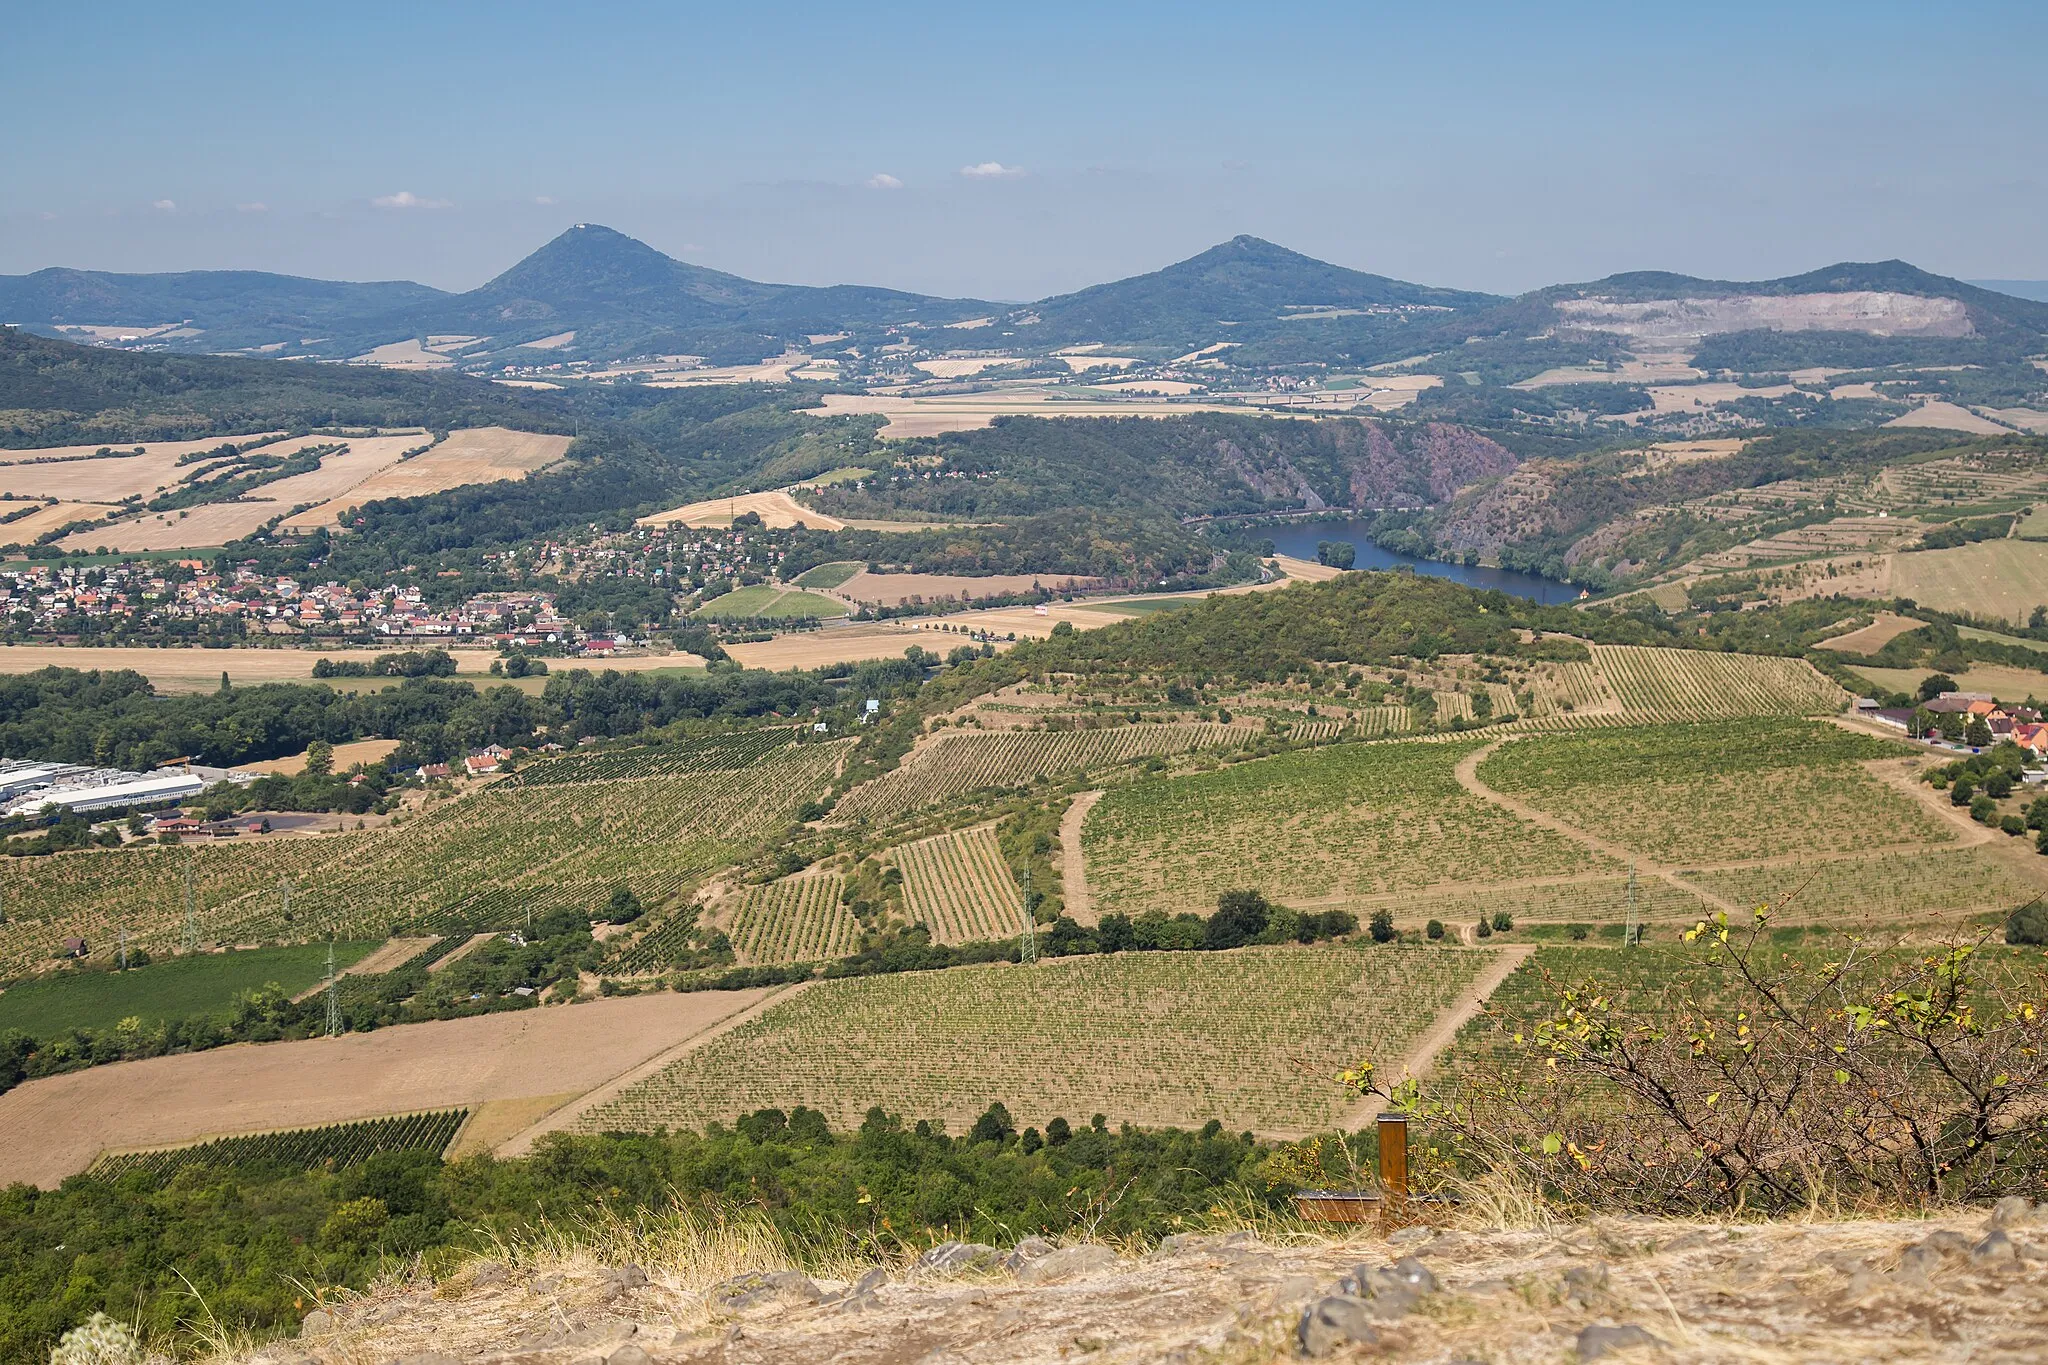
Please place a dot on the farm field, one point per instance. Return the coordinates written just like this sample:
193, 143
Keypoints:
1325, 827
565, 833
48, 517
894, 589
1888, 627
829, 575
1999, 578
1926, 887
1716, 793
768, 601
56, 1126
1251, 1037
797, 919
1685, 684
475, 455
951, 764
776, 508
168, 988
958, 885
346, 755
2005, 683
335, 1147
94, 894
1589, 900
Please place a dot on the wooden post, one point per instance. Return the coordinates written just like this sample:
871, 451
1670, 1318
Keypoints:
1394, 1156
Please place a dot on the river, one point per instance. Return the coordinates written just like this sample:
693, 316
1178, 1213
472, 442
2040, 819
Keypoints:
1298, 538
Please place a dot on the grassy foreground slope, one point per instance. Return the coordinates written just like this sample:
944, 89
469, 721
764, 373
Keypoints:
173, 988
1250, 1037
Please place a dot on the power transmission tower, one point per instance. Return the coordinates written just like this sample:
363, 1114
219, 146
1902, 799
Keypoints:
333, 1000
191, 914
1633, 932
1027, 942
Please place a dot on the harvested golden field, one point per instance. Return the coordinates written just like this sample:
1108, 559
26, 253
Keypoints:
939, 413
2002, 682
894, 589
477, 455
1948, 417
190, 669
1692, 397
54, 1127
50, 516
346, 756
1887, 627
1251, 1037
1998, 578
776, 508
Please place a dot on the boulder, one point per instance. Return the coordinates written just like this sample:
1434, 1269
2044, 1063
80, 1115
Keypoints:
958, 1256
1058, 1265
317, 1323
764, 1289
1334, 1321
1597, 1341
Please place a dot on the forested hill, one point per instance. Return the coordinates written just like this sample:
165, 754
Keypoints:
1241, 289
1203, 464
58, 393
1362, 618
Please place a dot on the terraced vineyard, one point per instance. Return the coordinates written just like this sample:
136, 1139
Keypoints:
958, 885
1252, 1037
1685, 684
1924, 886
1717, 793
1372, 721
333, 1147
1575, 685
1331, 825
797, 919
963, 762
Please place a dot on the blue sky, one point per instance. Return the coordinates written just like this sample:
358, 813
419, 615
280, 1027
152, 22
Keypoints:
1013, 151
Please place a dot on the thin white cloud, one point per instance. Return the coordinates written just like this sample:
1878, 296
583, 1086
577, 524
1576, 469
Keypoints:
990, 170
258, 207
544, 200
882, 180
164, 205
406, 199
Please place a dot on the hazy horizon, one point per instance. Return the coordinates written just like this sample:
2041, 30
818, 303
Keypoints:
1015, 156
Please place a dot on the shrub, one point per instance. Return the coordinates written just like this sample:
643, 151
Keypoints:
2028, 924
1240, 917
2013, 824
1503, 921
1760, 1079
1984, 810
1382, 926
1435, 929
99, 1340
1485, 930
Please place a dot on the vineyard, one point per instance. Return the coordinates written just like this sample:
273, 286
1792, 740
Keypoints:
1253, 1037
718, 754
797, 919
168, 988
1926, 886
480, 861
958, 885
1593, 900
1765, 787
1685, 684
1337, 824
952, 764
304, 1149
94, 895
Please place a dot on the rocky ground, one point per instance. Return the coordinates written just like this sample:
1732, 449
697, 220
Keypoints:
1967, 1287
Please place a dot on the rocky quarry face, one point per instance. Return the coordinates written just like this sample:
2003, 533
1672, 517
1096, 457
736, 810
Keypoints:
1972, 1287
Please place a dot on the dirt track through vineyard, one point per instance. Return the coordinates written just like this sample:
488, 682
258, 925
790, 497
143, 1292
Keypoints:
1073, 864
1468, 778
54, 1127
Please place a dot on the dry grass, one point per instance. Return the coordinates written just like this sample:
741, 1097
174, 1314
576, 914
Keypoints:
1887, 627
346, 756
49, 518
477, 455
1949, 417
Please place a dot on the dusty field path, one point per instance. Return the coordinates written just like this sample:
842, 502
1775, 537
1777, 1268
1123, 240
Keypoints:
393, 952
1073, 866
1468, 778
1444, 1031
54, 1127
557, 1120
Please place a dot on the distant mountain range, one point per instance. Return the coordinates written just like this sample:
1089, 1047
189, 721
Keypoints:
596, 294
